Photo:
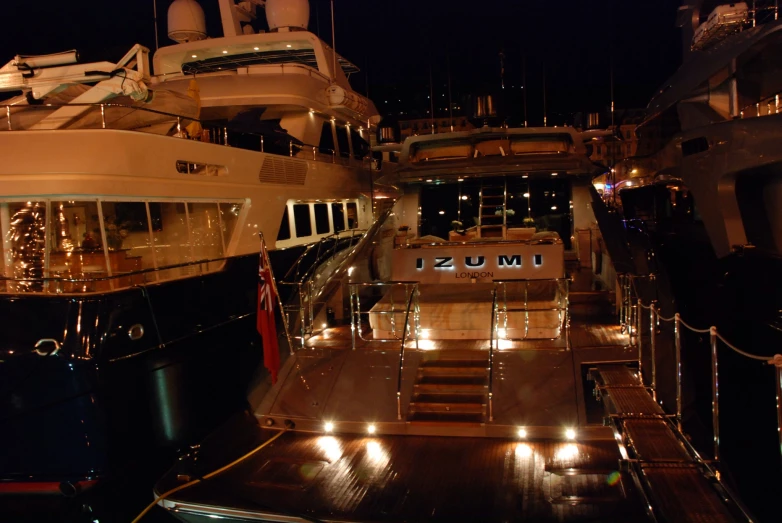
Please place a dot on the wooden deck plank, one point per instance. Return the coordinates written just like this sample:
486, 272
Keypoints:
406, 478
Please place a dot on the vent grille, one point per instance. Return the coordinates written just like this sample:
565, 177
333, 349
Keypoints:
281, 171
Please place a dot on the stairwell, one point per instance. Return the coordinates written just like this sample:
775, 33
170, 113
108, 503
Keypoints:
451, 387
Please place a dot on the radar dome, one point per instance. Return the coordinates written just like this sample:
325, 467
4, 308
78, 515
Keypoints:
287, 15
186, 21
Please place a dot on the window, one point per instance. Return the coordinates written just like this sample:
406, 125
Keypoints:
24, 236
338, 217
206, 236
322, 218
301, 218
360, 146
127, 237
285, 226
170, 238
352, 215
229, 216
326, 145
342, 140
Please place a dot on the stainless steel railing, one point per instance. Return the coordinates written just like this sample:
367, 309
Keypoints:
632, 309
356, 313
411, 300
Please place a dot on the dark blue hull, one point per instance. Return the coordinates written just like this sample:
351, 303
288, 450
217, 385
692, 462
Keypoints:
104, 400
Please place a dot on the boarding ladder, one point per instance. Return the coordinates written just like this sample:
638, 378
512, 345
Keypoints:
493, 197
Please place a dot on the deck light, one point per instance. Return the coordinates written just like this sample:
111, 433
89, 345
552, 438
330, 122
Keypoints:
553, 174
570, 434
460, 179
256, 48
463, 197
553, 207
325, 325
225, 52
522, 433
371, 429
194, 56
441, 212
328, 427
502, 333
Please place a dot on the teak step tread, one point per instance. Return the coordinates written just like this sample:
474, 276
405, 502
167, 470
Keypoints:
449, 398
465, 372
445, 417
439, 363
449, 388
450, 408
452, 380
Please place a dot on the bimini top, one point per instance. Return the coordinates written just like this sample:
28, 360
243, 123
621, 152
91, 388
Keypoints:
492, 151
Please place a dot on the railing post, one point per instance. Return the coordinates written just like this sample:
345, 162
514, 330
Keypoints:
8, 117
777, 361
677, 330
261, 143
352, 315
715, 393
302, 316
225, 135
103, 119
314, 153
652, 347
290, 148
639, 338
333, 156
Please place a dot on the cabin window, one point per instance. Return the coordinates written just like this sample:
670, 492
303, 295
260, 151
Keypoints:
171, 239
360, 146
326, 145
23, 245
301, 218
342, 141
229, 216
322, 218
285, 226
352, 215
205, 233
338, 217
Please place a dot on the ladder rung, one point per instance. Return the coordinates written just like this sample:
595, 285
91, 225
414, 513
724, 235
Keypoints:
496, 226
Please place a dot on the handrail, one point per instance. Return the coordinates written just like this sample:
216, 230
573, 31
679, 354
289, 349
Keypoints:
483, 241
336, 237
355, 308
402, 352
491, 352
181, 120
561, 308
635, 325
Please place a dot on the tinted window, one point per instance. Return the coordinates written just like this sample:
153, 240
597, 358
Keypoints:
285, 227
342, 140
360, 147
301, 215
352, 216
326, 139
321, 218
338, 215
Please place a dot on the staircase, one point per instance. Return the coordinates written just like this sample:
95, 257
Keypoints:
492, 197
451, 388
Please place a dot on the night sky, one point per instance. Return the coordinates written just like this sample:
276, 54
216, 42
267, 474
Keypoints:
396, 42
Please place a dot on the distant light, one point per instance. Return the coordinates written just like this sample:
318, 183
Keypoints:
429, 180
553, 207
525, 176
526, 195
289, 46
553, 174
570, 434
460, 179
463, 197
634, 171
194, 56
371, 429
441, 212
256, 48
328, 427
225, 52
522, 433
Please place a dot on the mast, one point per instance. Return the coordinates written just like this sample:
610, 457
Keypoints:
333, 43
524, 85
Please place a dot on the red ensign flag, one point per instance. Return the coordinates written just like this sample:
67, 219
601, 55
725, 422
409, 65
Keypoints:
266, 324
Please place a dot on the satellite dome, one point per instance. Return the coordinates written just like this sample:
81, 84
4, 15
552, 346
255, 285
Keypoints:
186, 21
287, 14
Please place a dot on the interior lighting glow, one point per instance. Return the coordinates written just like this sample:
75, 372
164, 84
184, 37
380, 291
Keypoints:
371, 429
523, 451
502, 333
429, 180
464, 197
553, 207
425, 334
553, 174
525, 176
328, 427
522, 433
570, 434
460, 179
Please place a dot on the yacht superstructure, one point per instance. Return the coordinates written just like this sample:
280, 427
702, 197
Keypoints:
452, 379
696, 229
131, 211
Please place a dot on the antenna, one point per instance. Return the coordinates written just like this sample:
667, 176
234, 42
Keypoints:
450, 103
154, 14
431, 95
612, 91
333, 42
502, 69
524, 85
544, 94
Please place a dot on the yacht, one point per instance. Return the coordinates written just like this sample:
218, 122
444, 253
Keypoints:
136, 197
469, 364
696, 226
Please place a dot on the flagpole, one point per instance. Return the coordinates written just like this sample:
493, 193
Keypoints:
268, 263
